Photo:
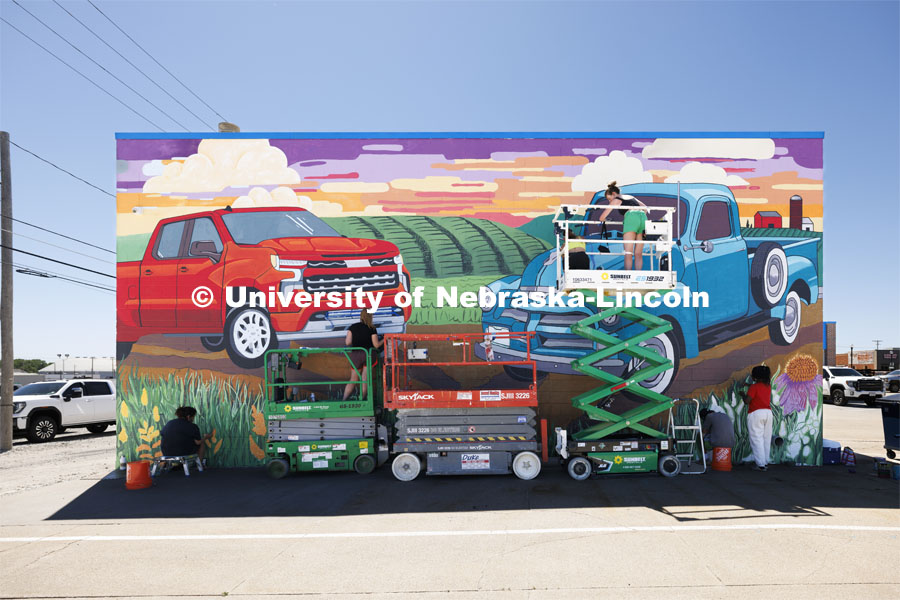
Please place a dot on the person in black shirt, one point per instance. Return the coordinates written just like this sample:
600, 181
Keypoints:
360, 335
633, 225
181, 436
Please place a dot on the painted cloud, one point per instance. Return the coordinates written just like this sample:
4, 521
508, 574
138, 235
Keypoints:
618, 167
695, 172
753, 148
220, 163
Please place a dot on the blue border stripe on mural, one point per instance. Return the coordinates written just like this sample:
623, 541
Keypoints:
319, 135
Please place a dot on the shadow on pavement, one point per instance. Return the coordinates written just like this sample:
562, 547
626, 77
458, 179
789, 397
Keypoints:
741, 493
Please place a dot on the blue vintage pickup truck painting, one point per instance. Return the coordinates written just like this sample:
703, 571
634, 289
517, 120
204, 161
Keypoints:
753, 282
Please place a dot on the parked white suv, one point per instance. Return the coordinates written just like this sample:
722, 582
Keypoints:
842, 383
41, 410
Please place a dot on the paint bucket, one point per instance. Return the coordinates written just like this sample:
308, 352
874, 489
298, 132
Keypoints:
883, 469
721, 459
137, 475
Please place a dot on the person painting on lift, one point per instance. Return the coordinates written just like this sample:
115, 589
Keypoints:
360, 335
633, 225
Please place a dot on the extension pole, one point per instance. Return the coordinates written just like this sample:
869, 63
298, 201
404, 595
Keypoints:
6, 298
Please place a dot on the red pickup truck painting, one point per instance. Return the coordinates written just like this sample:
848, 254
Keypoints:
285, 249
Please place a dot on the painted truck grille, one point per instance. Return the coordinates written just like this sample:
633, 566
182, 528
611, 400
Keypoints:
560, 319
350, 281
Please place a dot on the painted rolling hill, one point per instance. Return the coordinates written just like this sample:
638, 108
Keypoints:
441, 247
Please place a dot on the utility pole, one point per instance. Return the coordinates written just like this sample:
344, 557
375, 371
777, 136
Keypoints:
851, 356
6, 297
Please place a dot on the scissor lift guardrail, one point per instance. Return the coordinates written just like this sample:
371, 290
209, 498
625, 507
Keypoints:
660, 250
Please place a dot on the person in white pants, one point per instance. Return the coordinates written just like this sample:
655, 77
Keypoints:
759, 416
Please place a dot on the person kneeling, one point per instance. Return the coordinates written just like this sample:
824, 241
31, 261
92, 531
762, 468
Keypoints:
181, 436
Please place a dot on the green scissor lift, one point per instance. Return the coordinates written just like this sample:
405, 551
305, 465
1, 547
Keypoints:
602, 441
310, 426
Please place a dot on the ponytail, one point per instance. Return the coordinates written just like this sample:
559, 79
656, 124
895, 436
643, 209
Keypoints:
612, 189
366, 317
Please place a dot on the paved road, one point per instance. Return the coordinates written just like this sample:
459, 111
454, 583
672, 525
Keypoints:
797, 532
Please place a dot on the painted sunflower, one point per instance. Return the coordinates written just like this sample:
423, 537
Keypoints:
798, 384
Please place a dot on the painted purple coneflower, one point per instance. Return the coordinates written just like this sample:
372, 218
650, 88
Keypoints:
797, 384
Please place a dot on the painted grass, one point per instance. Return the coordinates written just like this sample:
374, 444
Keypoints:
226, 407
431, 314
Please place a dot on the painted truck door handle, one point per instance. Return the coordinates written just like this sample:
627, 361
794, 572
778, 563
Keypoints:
148, 272
706, 245
183, 269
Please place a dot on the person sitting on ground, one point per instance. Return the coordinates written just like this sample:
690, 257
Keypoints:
360, 335
718, 428
181, 436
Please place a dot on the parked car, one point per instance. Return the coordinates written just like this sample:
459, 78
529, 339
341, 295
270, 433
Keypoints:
759, 281
41, 410
892, 381
839, 384
259, 249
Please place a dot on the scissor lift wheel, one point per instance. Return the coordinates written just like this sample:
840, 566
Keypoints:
406, 466
579, 468
669, 465
526, 465
364, 464
277, 468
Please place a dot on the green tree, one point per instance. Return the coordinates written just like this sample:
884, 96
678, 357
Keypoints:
29, 365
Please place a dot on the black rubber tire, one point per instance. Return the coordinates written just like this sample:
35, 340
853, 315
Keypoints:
767, 255
891, 454
837, 397
97, 428
669, 465
523, 374
42, 428
123, 349
579, 468
236, 356
278, 468
212, 343
894, 387
364, 464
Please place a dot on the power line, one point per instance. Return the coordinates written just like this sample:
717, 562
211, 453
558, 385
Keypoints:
100, 87
137, 68
157, 62
60, 234
107, 71
60, 262
22, 235
56, 166
48, 275
72, 277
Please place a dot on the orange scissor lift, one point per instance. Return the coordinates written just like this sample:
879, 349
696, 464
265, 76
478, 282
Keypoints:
452, 417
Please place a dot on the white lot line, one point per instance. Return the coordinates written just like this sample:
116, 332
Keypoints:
462, 533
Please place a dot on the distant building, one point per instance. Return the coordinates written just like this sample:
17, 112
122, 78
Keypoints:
796, 219
807, 224
101, 367
767, 219
888, 359
829, 342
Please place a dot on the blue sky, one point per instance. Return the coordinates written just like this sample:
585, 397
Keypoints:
500, 66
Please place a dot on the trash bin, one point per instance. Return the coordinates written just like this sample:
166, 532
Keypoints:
890, 420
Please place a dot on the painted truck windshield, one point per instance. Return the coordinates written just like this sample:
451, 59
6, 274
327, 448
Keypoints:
255, 227
681, 215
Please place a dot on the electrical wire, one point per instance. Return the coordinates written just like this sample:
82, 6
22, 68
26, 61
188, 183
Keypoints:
72, 277
49, 275
59, 234
22, 235
58, 261
54, 165
107, 71
137, 68
100, 87
157, 62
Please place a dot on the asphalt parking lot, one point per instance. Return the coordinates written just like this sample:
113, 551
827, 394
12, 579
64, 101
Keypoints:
790, 532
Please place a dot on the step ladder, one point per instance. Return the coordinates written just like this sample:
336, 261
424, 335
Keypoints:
685, 448
593, 401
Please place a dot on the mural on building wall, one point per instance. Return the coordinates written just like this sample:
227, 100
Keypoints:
290, 213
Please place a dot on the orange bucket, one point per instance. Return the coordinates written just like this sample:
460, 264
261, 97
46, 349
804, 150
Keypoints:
137, 475
721, 459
